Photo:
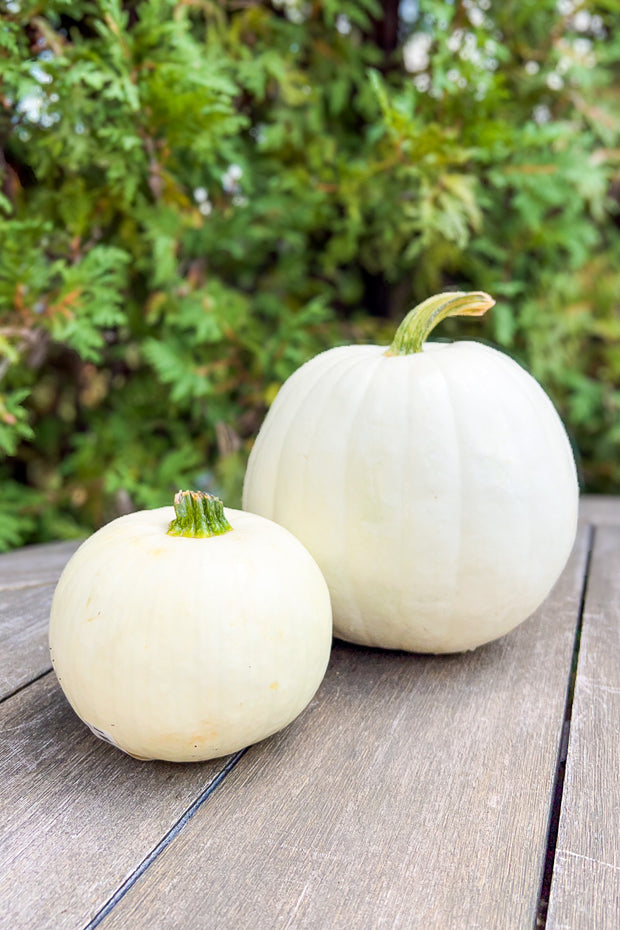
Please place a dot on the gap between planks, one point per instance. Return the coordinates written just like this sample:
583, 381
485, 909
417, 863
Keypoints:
558, 790
169, 837
25, 684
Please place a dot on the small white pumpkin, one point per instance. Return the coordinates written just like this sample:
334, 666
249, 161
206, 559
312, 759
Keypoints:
191, 636
434, 484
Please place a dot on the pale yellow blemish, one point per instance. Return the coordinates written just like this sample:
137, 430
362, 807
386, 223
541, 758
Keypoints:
274, 685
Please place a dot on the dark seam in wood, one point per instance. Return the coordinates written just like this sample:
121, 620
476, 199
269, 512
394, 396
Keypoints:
166, 840
554, 816
25, 685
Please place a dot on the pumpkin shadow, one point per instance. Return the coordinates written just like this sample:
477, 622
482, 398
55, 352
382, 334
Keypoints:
370, 660
368, 689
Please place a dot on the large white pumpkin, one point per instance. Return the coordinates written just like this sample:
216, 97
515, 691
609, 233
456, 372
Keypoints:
434, 484
188, 647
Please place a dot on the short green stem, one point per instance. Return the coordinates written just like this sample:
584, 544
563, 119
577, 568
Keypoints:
198, 515
419, 322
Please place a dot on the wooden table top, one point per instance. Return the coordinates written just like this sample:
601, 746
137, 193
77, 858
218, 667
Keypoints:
471, 791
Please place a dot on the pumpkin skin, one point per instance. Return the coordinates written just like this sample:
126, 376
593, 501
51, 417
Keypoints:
437, 491
185, 649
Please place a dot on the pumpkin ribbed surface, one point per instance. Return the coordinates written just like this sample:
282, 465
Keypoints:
437, 491
189, 648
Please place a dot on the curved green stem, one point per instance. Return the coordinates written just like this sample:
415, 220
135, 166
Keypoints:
419, 322
198, 515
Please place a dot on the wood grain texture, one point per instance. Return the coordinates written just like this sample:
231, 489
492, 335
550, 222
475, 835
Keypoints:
78, 816
414, 792
599, 510
35, 565
585, 892
27, 580
24, 650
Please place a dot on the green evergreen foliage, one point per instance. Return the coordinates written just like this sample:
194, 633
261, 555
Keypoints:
198, 196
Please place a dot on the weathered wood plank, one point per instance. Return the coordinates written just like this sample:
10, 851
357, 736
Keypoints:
414, 792
24, 651
78, 816
585, 892
27, 580
34, 565
599, 510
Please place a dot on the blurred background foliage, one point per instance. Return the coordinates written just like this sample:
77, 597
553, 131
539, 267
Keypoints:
197, 196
